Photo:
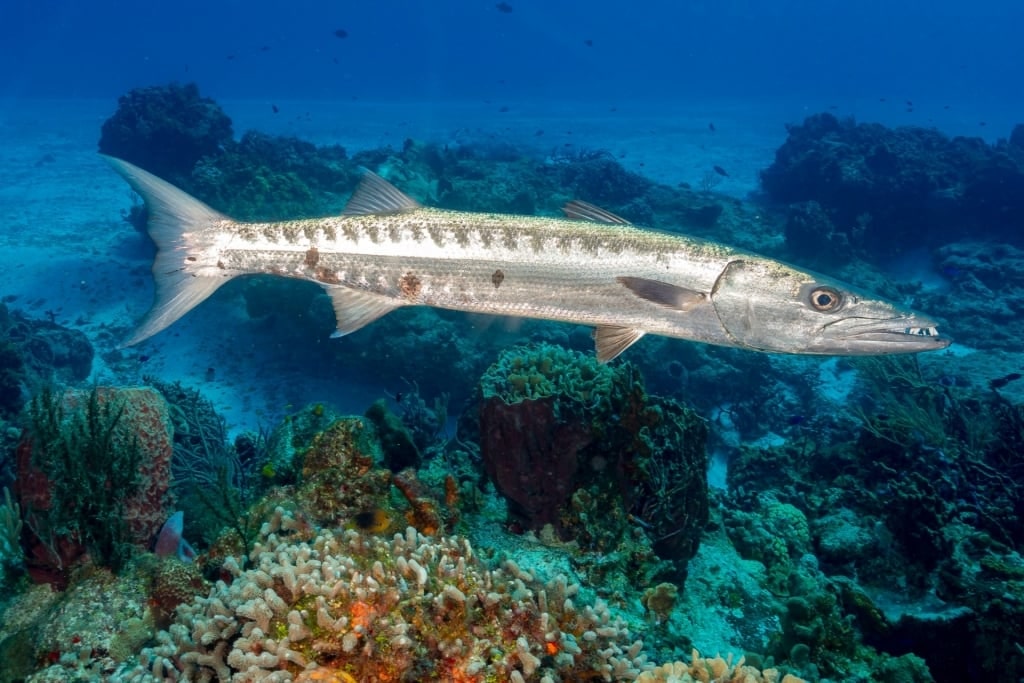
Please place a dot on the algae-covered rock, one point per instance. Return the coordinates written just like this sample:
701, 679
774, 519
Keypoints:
579, 449
339, 475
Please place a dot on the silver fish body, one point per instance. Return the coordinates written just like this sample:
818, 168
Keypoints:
592, 268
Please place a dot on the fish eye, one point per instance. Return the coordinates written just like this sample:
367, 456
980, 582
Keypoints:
825, 299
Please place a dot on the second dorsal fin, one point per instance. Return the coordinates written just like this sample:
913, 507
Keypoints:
584, 211
376, 195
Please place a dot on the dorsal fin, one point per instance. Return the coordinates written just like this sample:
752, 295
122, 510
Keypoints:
376, 195
584, 211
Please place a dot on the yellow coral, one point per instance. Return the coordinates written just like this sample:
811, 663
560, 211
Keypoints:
712, 670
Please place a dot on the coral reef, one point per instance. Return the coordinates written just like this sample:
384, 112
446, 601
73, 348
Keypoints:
35, 353
93, 476
409, 608
579, 450
889, 189
166, 129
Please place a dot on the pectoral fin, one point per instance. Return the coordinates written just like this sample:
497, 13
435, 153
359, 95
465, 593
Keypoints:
610, 341
663, 293
355, 309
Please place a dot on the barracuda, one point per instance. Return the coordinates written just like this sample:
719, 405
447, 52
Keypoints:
590, 268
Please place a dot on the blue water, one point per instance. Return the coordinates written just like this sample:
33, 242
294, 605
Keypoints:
660, 50
688, 94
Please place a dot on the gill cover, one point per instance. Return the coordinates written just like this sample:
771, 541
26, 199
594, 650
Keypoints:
759, 303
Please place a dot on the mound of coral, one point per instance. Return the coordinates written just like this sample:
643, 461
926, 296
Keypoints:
408, 608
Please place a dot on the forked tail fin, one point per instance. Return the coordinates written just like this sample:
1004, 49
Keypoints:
185, 271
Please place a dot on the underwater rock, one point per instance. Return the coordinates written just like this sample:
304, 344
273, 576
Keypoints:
396, 441
903, 187
166, 129
811, 235
340, 477
39, 352
579, 450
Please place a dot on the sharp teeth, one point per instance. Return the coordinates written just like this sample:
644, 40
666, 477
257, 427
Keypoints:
921, 331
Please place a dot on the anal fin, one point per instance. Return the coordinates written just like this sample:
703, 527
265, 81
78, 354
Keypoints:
611, 340
355, 309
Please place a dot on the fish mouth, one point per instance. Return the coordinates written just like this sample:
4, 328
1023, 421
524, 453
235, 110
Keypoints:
893, 335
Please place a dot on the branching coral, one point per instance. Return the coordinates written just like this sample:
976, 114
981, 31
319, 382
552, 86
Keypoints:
410, 608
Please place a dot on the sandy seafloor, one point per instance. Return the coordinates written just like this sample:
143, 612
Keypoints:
67, 253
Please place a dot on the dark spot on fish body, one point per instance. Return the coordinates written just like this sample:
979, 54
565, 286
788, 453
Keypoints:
326, 276
350, 233
373, 232
436, 234
462, 237
410, 286
191, 259
497, 278
312, 257
485, 237
537, 242
247, 231
418, 233
330, 232
509, 238
394, 231
565, 244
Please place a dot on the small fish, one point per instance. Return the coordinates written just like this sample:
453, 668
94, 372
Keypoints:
341, 33
1000, 382
721, 171
711, 127
504, 7
274, 107
588, 42
374, 521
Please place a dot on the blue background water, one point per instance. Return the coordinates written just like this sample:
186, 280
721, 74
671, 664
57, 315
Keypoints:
941, 50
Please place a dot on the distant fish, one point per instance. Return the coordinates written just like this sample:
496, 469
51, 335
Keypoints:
341, 33
504, 7
721, 171
274, 107
588, 42
711, 127
1000, 382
